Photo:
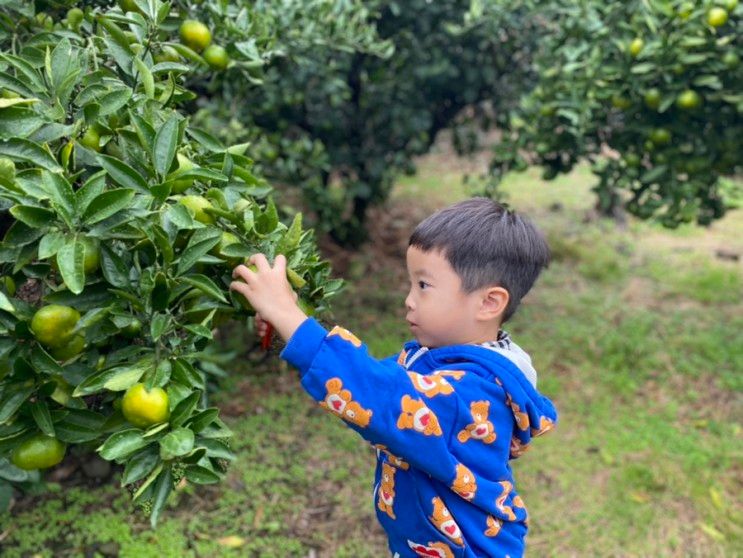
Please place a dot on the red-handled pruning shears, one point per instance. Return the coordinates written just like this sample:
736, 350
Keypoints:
266, 339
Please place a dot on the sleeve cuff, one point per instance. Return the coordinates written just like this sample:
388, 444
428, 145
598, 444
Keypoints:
304, 344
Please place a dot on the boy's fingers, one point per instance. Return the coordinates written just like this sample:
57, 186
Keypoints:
279, 263
260, 261
243, 272
240, 287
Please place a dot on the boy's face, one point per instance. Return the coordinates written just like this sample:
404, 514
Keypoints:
439, 312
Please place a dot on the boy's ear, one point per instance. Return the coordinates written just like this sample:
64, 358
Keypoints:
494, 302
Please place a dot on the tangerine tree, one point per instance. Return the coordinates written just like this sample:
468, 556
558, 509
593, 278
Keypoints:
122, 224
651, 93
342, 117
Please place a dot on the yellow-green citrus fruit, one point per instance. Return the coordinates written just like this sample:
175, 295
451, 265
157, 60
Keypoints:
636, 46
197, 204
689, 100
660, 136
132, 329
730, 5
38, 452
685, 10
52, 325
241, 205
129, 6
652, 98
9, 285
217, 57
92, 254
731, 60
167, 54
62, 390
226, 240
181, 185
195, 35
144, 408
717, 17
71, 349
91, 139
620, 102
74, 17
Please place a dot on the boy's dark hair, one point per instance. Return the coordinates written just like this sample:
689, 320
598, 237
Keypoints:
486, 244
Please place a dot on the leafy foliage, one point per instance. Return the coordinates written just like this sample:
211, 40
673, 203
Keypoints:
649, 92
342, 119
125, 212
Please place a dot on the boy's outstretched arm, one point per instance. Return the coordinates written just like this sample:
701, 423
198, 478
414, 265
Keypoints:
269, 292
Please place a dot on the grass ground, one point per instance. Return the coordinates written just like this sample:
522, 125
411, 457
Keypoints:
638, 336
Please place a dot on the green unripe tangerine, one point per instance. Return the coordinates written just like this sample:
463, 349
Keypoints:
216, 56
652, 98
70, 350
144, 408
75, 17
52, 325
198, 204
689, 100
181, 185
636, 46
717, 17
38, 452
91, 139
195, 35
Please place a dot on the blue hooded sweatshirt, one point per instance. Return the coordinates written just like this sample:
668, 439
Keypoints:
445, 423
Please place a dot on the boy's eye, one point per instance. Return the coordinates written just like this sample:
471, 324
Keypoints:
422, 284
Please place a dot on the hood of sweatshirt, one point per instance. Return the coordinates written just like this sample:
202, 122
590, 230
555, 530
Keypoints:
510, 368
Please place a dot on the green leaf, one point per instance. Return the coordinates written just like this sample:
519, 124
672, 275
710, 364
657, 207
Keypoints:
5, 103
25, 151
50, 244
93, 187
139, 465
114, 101
12, 400
43, 361
160, 495
76, 426
5, 304
62, 195
192, 254
71, 263
33, 216
145, 75
118, 378
107, 204
145, 132
185, 373
201, 420
205, 139
205, 285
183, 410
164, 148
114, 269
158, 324
123, 174
201, 475
40, 413
176, 443
122, 443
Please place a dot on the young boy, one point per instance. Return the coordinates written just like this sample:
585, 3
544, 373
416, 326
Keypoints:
448, 413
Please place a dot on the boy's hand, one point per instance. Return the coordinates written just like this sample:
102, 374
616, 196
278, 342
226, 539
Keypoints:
268, 291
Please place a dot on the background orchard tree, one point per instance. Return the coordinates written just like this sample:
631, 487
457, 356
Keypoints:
650, 92
125, 224
341, 118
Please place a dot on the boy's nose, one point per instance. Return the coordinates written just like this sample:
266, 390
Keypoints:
409, 302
